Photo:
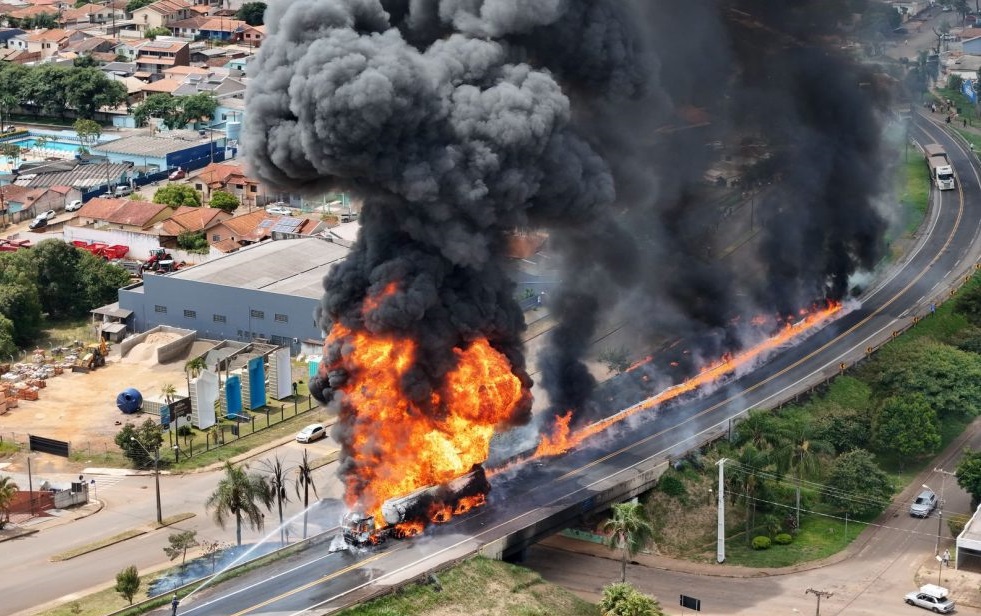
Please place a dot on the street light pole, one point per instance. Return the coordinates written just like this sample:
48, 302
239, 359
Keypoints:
156, 474
940, 510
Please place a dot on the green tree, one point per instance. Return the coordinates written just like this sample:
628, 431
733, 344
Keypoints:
7, 491
177, 195
128, 583
304, 481
749, 480
759, 429
196, 107
163, 106
22, 306
12, 80
624, 600
252, 13
59, 287
948, 378
798, 453
239, 493
180, 543
7, 345
100, 282
148, 438
278, 478
85, 61
88, 131
153, 33
630, 531
193, 241
968, 302
225, 201
133, 5
857, 485
90, 90
908, 426
46, 87
39, 21
969, 475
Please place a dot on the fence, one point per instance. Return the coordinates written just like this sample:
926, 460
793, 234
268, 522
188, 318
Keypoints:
223, 434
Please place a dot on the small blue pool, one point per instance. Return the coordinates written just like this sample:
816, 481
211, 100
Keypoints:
49, 145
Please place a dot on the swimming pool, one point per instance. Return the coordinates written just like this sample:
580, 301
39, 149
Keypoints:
60, 146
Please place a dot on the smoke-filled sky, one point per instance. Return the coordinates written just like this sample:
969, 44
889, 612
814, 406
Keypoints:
459, 121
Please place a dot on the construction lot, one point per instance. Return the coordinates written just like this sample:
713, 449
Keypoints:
81, 407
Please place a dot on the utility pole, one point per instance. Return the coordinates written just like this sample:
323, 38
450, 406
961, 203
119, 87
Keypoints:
819, 594
940, 510
720, 555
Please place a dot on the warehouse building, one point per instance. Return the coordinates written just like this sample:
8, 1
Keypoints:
266, 292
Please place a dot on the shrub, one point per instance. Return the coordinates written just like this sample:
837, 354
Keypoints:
184, 430
783, 539
761, 543
671, 485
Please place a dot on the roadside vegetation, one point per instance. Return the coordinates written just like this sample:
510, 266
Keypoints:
803, 481
479, 586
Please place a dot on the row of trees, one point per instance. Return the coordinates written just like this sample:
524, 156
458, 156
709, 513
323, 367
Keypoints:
241, 494
49, 89
54, 279
176, 111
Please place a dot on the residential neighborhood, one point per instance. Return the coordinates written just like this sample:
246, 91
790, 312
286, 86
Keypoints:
169, 79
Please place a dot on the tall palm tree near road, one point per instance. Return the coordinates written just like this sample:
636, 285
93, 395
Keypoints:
278, 477
304, 481
7, 490
630, 530
239, 493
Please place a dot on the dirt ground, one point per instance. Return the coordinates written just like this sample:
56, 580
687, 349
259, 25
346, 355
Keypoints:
81, 408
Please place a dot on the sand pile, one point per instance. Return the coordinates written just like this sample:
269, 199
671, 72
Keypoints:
145, 353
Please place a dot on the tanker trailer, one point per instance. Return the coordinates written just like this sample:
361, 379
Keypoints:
408, 515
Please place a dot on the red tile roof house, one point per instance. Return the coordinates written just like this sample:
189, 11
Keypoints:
189, 220
122, 214
240, 231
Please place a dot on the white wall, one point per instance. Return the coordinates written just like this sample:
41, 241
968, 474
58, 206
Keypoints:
140, 244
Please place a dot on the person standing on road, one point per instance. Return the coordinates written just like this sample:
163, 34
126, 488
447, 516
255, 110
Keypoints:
945, 559
174, 604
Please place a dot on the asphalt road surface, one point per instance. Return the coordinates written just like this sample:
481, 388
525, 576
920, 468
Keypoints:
322, 582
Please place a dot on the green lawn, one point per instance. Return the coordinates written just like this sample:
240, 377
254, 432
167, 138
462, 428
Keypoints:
819, 537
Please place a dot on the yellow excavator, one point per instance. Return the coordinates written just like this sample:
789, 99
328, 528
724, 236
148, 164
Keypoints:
91, 357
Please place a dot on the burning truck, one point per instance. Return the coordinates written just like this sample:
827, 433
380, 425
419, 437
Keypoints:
407, 516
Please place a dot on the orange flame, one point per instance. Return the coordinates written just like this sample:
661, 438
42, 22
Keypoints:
440, 513
467, 503
562, 438
400, 444
409, 529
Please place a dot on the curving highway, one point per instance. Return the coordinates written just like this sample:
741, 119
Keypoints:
546, 492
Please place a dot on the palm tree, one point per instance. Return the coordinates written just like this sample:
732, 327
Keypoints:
304, 480
192, 368
748, 482
798, 453
630, 530
7, 490
278, 476
169, 391
240, 493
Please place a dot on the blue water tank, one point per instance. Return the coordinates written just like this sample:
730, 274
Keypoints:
233, 131
129, 400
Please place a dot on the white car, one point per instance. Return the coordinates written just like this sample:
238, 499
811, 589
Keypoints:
931, 597
279, 209
74, 206
41, 220
313, 432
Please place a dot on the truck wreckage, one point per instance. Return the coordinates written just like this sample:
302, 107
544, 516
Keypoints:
407, 516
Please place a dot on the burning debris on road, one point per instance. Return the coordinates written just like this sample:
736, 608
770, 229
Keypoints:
459, 121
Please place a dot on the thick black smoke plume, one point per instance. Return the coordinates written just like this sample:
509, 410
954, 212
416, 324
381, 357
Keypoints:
459, 121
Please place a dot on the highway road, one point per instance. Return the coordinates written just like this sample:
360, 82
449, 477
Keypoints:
946, 252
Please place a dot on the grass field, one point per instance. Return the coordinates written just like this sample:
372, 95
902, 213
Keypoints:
914, 189
479, 587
